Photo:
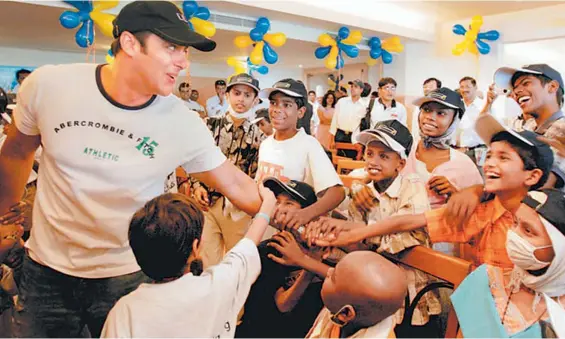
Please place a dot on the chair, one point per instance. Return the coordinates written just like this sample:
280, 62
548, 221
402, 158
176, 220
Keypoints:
349, 165
349, 180
450, 269
339, 146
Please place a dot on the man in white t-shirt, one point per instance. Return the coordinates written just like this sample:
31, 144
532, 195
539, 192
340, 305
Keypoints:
468, 141
110, 136
218, 104
185, 92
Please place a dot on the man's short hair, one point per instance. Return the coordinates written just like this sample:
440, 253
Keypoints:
194, 91
141, 36
22, 71
184, 85
220, 82
471, 79
438, 82
161, 235
311, 92
385, 81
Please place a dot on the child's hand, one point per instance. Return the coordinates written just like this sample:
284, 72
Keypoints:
201, 197
15, 215
344, 238
291, 218
327, 229
269, 200
285, 243
363, 199
441, 185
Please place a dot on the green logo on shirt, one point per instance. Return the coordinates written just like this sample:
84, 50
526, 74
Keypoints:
147, 146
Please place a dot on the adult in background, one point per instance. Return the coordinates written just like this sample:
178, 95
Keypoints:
325, 113
348, 114
107, 148
467, 140
429, 85
218, 104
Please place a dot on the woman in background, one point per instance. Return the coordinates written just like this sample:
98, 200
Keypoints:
325, 113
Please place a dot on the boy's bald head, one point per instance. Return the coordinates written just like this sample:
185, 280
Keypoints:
369, 283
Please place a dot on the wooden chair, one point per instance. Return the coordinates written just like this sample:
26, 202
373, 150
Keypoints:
449, 269
345, 146
348, 180
349, 165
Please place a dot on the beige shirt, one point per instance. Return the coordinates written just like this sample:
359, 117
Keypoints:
324, 328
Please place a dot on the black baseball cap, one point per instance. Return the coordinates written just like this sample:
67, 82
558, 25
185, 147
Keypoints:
163, 19
505, 77
290, 87
550, 205
487, 127
299, 191
261, 114
392, 133
244, 79
444, 96
220, 82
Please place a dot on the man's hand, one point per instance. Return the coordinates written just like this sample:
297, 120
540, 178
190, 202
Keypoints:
558, 143
328, 228
201, 197
345, 238
291, 218
441, 185
287, 246
462, 204
15, 215
364, 200
15, 258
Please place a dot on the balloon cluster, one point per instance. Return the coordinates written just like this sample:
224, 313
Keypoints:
383, 49
473, 38
246, 66
262, 42
334, 81
345, 42
110, 57
197, 17
89, 13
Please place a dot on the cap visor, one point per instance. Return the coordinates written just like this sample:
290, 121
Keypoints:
487, 127
267, 92
279, 187
420, 101
503, 76
184, 36
243, 83
364, 138
256, 120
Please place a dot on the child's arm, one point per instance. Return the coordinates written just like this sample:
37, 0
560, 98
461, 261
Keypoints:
261, 221
292, 255
287, 299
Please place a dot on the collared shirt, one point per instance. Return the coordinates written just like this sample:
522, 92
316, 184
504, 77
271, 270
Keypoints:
239, 144
485, 231
406, 195
214, 108
324, 328
381, 113
193, 105
348, 115
468, 135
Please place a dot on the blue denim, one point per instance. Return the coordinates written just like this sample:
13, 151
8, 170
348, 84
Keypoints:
53, 304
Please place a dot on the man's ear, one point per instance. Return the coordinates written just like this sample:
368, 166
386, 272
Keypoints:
301, 112
129, 43
553, 86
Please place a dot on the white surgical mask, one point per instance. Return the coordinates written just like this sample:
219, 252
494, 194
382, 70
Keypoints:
245, 115
521, 252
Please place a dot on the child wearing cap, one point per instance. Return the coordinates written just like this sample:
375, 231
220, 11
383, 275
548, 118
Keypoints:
239, 141
263, 121
515, 163
386, 149
291, 154
497, 304
185, 301
285, 299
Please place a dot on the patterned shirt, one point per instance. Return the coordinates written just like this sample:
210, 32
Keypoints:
239, 144
485, 231
406, 195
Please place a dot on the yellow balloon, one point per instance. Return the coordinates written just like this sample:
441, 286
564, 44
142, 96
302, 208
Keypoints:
109, 59
459, 48
98, 5
104, 22
256, 56
354, 38
331, 63
473, 49
240, 69
203, 27
371, 62
326, 40
232, 61
476, 22
243, 41
276, 39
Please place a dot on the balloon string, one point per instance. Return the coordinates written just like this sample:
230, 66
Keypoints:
91, 47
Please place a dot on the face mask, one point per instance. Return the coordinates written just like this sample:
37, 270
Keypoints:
244, 115
521, 252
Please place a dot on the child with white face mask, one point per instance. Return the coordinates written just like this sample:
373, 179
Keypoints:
521, 302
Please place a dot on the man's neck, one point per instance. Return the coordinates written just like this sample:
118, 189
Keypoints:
469, 101
355, 98
386, 103
285, 135
123, 85
544, 113
511, 200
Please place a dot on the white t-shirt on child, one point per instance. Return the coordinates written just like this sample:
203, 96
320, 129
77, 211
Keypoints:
204, 306
101, 162
300, 158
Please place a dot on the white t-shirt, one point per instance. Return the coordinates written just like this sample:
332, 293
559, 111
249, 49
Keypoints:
101, 162
193, 105
204, 306
300, 158
381, 113
469, 137
214, 108
348, 115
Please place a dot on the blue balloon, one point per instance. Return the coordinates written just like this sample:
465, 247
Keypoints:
376, 53
69, 19
263, 69
110, 53
189, 8
340, 61
351, 50
81, 5
482, 46
256, 34
375, 43
269, 54
263, 24
343, 33
85, 35
202, 13
459, 30
490, 35
322, 52
387, 57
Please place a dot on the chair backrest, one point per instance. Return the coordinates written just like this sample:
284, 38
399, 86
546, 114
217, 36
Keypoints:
349, 147
348, 164
442, 266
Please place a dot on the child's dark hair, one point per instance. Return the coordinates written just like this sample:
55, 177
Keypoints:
265, 113
527, 154
544, 81
161, 235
